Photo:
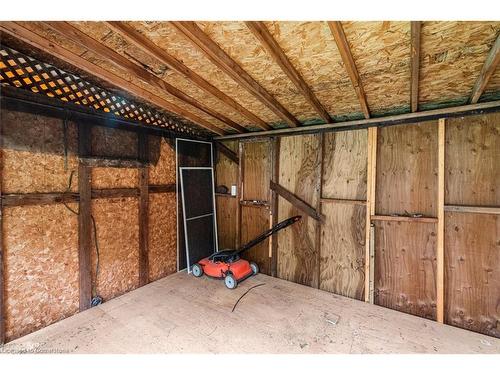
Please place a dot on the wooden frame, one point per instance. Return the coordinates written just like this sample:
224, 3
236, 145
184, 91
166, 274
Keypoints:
220, 58
350, 65
84, 219
297, 202
487, 71
370, 212
415, 64
440, 224
143, 210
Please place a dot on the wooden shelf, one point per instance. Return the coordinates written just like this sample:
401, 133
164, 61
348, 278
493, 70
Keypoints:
404, 219
473, 209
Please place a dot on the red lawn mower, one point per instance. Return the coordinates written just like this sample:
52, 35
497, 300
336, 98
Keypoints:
228, 265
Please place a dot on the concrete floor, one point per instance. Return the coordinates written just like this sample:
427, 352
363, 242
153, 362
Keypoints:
181, 314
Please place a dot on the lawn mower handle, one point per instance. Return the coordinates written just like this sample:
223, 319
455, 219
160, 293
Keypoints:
282, 225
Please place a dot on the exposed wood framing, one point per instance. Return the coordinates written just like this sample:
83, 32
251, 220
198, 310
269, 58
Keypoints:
145, 44
27, 199
343, 201
261, 32
473, 209
407, 118
220, 58
239, 192
59, 52
275, 167
486, 71
130, 67
143, 211
230, 154
112, 162
2, 272
371, 175
350, 65
415, 64
318, 207
84, 219
422, 219
297, 202
440, 225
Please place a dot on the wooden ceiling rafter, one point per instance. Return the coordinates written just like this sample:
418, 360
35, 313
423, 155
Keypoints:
345, 52
220, 58
261, 32
415, 63
134, 37
27, 36
89, 43
487, 71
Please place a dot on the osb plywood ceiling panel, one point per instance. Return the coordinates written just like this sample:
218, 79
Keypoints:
452, 54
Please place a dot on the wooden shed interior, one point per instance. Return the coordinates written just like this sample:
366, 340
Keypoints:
383, 136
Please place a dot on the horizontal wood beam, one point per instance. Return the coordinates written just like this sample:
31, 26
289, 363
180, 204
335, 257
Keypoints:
93, 45
261, 32
28, 199
220, 58
48, 46
415, 64
226, 151
404, 219
487, 71
249, 203
112, 162
473, 209
343, 201
346, 54
146, 45
407, 118
297, 202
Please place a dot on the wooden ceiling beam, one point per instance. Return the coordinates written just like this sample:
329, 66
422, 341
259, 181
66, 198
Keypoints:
134, 37
415, 64
220, 58
89, 43
61, 53
261, 32
487, 71
345, 52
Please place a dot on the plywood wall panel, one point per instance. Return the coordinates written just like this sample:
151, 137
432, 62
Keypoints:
257, 170
343, 250
41, 267
33, 153
472, 272
107, 178
407, 169
345, 161
405, 267
112, 142
118, 235
299, 161
254, 221
162, 161
162, 235
472, 160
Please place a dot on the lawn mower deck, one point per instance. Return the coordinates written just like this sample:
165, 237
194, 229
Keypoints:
228, 265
